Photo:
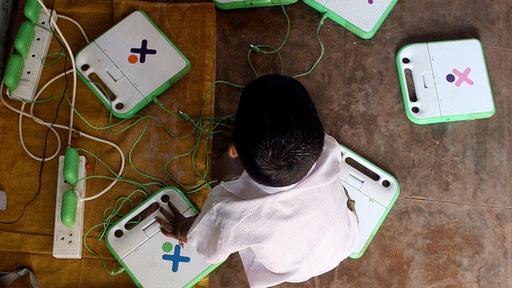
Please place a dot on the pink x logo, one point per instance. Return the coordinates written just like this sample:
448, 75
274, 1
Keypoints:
463, 77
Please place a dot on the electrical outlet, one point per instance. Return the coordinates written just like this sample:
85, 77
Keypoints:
34, 62
67, 241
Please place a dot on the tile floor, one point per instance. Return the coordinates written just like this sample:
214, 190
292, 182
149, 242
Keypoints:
452, 225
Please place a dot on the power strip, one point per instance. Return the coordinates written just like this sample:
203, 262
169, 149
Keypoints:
67, 241
34, 62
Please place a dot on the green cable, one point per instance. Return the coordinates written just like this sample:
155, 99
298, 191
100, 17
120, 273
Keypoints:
249, 61
258, 49
139, 138
206, 160
180, 114
112, 125
262, 49
60, 55
228, 83
206, 184
115, 211
94, 253
322, 49
119, 179
88, 123
190, 188
98, 159
199, 123
199, 135
174, 158
41, 101
203, 127
108, 217
153, 184
200, 131
173, 113
160, 182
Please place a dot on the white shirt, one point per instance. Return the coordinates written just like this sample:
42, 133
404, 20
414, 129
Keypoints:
283, 234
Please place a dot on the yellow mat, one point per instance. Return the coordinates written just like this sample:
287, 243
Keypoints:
191, 27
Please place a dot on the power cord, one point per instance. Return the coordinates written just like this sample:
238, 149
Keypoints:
39, 121
322, 49
41, 166
55, 27
269, 50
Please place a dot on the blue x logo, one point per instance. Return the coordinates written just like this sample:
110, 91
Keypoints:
142, 51
176, 258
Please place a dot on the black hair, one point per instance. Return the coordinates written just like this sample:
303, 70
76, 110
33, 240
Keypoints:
278, 134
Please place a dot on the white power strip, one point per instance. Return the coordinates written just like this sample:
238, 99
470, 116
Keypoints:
34, 62
67, 242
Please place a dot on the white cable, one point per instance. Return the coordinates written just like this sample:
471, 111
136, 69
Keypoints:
120, 168
80, 133
32, 116
20, 122
76, 24
73, 98
40, 92
22, 142
73, 65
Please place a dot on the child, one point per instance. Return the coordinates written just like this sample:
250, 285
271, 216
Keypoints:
287, 214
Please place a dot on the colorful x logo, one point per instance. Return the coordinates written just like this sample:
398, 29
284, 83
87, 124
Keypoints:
143, 51
176, 257
463, 77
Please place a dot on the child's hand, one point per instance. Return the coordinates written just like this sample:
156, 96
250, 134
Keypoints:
175, 225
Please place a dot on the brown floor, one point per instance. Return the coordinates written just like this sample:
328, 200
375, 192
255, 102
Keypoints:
451, 226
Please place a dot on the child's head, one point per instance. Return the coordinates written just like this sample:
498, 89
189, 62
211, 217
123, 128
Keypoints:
278, 134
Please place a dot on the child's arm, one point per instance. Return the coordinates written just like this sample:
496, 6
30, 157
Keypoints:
175, 225
215, 233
